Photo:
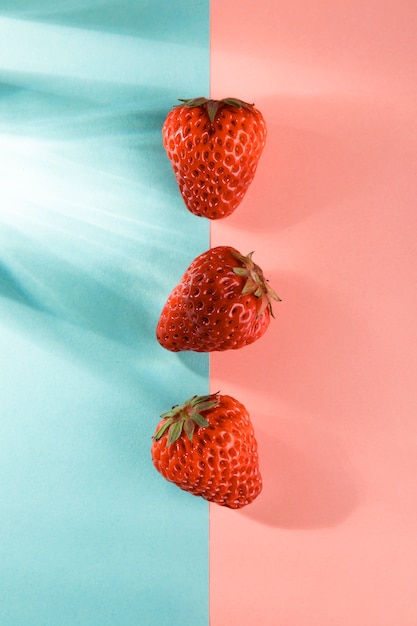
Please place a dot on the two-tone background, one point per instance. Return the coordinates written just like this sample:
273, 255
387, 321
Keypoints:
93, 236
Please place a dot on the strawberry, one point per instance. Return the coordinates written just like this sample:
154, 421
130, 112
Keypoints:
222, 302
207, 447
214, 147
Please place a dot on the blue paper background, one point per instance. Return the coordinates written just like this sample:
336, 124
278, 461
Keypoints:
93, 236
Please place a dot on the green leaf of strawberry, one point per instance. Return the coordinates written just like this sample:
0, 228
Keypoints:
185, 417
255, 282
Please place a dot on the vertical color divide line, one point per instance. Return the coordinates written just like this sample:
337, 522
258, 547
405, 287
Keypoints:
238, 69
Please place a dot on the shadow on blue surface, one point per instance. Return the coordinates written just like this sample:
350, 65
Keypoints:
93, 236
164, 21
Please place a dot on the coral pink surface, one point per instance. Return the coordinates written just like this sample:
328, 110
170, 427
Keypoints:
331, 216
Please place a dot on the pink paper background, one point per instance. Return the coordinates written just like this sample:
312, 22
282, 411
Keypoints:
331, 388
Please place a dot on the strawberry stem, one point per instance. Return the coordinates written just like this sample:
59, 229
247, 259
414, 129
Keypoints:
212, 107
255, 283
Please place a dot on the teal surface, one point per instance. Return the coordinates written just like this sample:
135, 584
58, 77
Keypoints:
93, 236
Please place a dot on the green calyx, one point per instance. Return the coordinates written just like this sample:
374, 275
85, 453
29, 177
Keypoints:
213, 106
256, 283
186, 417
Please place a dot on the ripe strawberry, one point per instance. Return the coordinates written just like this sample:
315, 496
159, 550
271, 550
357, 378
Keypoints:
222, 302
207, 446
214, 147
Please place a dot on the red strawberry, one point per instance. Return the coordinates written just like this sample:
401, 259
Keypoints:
223, 301
214, 147
207, 446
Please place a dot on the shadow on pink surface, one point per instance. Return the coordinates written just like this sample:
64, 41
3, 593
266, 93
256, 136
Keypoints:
309, 357
308, 481
310, 362
320, 150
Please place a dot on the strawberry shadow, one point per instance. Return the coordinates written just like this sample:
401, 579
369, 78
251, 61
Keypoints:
322, 151
307, 479
310, 349
310, 360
